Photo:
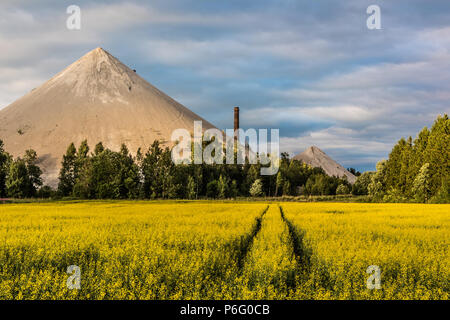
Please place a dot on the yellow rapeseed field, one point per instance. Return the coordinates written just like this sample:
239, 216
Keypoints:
408, 242
223, 250
269, 270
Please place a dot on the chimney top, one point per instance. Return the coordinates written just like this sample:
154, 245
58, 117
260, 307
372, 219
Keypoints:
236, 121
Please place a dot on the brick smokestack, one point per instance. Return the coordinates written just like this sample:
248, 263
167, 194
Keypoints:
236, 122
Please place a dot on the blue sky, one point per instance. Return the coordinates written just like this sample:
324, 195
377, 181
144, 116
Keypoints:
310, 68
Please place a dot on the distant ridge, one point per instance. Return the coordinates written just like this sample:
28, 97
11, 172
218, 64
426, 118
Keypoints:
315, 157
96, 98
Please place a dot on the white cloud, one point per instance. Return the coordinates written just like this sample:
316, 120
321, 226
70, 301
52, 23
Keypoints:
306, 67
14, 82
343, 114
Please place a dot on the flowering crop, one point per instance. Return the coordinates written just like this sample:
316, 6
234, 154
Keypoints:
125, 250
408, 242
223, 250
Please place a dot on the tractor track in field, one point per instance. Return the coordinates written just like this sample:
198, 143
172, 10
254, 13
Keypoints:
302, 253
248, 241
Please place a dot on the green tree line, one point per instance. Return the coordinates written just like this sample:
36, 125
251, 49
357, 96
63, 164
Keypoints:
106, 174
21, 177
417, 169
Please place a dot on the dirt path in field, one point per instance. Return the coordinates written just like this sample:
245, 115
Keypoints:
301, 251
249, 241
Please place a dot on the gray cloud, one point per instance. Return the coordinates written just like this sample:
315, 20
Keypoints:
311, 68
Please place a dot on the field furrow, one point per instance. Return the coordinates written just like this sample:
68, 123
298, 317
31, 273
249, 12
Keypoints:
125, 250
408, 243
270, 267
247, 243
224, 250
301, 251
